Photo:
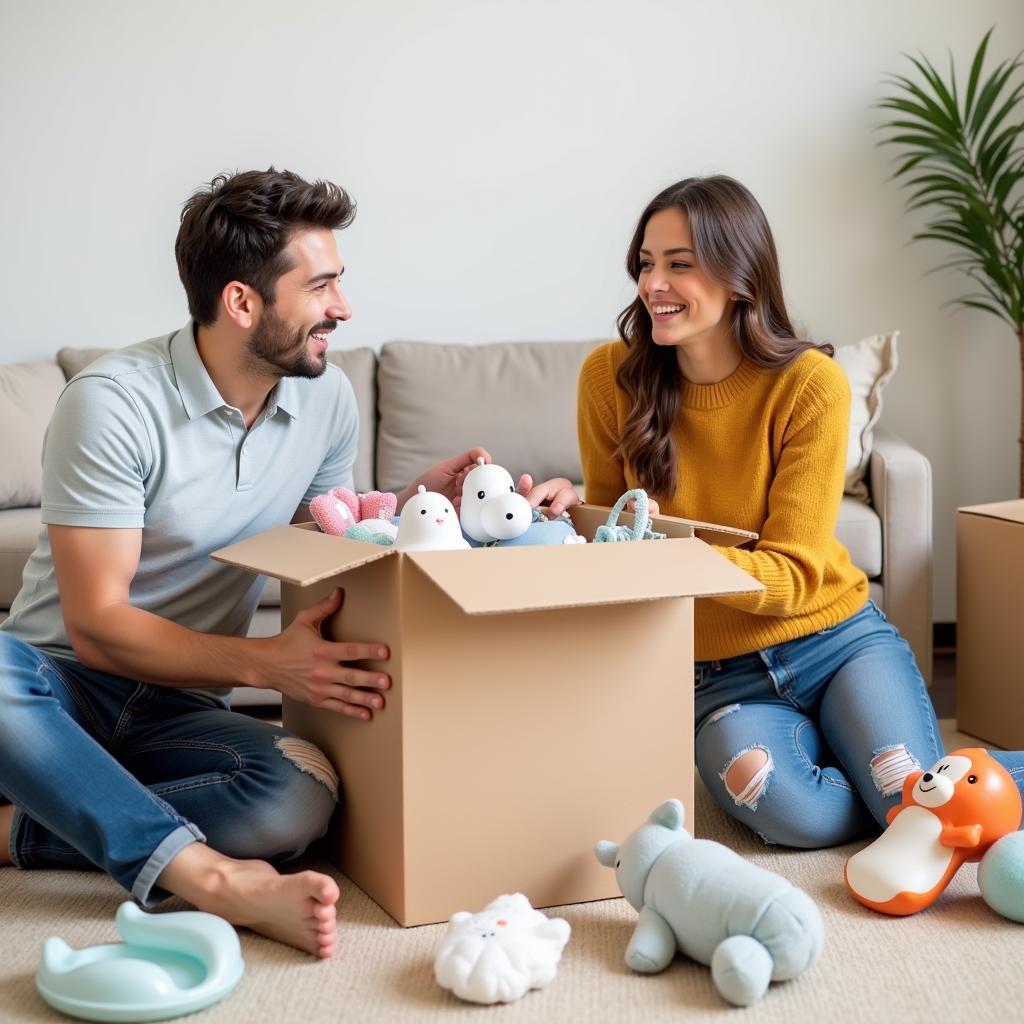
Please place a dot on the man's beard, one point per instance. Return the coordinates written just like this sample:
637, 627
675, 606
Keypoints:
275, 348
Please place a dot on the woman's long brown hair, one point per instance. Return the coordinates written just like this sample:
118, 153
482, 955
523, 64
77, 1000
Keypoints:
733, 244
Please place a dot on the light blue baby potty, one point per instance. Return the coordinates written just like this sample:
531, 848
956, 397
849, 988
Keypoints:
168, 965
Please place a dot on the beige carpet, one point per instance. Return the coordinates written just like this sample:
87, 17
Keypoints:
956, 962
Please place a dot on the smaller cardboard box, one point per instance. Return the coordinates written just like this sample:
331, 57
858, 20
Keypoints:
542, 699
990, 622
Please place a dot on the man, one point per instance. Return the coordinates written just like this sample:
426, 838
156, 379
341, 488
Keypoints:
116, 746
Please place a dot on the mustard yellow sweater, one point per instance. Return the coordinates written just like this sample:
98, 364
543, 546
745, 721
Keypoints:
762, 450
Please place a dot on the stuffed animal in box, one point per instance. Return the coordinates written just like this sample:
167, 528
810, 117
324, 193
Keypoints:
749, 925
428, 523
340, 510
491, 508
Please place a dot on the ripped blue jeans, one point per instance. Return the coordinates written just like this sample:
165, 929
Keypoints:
121, 775
808, 742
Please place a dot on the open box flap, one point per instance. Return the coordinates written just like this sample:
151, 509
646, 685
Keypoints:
1011, 511
587, 518
301, 556
489, 581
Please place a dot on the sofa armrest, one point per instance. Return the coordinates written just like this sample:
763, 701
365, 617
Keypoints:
901, 493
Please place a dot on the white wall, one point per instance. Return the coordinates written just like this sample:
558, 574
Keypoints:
500, 153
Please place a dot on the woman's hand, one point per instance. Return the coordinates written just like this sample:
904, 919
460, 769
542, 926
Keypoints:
559, 494
652, 507
446, 476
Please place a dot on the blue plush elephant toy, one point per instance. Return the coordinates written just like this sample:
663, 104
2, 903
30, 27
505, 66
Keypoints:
749, 925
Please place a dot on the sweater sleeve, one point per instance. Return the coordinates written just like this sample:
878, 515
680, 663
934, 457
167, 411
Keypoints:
604, 478
803, 501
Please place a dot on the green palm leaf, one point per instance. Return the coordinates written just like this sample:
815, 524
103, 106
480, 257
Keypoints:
962, 160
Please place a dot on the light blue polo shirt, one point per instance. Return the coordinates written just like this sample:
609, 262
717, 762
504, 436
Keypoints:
141, 438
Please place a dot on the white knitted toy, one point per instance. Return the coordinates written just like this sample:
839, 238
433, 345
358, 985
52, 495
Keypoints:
500, 953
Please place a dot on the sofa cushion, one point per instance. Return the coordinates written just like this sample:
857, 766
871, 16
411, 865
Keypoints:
860, 531
270, 595
517, 400
28, 393
73, 360
360, 366
19, 529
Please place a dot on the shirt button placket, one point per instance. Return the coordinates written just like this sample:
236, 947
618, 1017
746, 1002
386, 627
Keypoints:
244, 467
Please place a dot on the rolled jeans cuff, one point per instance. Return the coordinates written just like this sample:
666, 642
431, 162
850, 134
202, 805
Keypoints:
144, 889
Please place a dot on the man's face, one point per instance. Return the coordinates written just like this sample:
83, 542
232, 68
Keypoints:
290, 338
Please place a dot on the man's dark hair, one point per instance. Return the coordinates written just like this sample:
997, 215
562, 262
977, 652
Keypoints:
236, 229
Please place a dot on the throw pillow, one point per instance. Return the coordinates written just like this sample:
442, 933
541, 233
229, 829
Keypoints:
868, 365
28, 393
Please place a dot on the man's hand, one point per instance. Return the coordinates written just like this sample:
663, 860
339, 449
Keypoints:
446, 477
559, 494
305, 666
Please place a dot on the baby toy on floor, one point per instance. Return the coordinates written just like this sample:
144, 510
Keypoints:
749, 925
950, 814
500, 953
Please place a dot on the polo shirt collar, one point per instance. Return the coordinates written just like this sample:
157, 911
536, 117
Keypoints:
199, 395
285, 397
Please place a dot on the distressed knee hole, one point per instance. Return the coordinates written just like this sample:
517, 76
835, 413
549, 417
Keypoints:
309, 758
722, 712
746, 776
890, 767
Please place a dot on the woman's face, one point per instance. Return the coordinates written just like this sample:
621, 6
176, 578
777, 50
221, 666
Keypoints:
685, 305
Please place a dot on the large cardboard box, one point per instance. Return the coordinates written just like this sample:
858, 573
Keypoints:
990, 622
542, 699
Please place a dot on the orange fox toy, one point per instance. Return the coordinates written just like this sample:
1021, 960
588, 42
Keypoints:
950, 814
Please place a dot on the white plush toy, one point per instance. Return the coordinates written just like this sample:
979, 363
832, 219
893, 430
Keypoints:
491, 508
502, 952
429, 523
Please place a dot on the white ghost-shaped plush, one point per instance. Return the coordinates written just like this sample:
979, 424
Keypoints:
502, 952
491, 507
428, 523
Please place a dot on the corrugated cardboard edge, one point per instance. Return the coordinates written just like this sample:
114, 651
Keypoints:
1009, 511
296, 554
494, 581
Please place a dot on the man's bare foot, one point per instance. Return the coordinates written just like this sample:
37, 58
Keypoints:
298, 910
6, 820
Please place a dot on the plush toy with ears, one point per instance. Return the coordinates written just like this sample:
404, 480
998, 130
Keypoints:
491, 507
749, 925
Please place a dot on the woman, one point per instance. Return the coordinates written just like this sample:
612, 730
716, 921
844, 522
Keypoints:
810, 710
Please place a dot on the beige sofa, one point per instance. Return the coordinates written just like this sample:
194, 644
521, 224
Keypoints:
421, 402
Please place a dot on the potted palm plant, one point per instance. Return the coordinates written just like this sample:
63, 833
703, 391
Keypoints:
963, 162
